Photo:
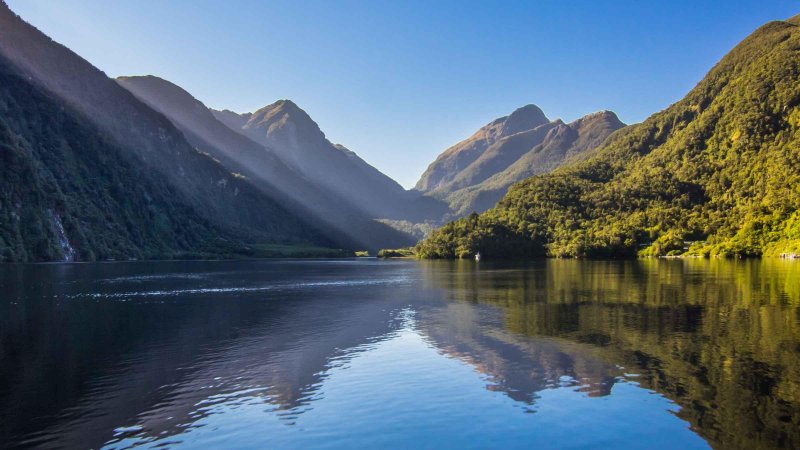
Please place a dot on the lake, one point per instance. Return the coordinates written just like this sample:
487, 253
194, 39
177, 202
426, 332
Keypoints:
365, 353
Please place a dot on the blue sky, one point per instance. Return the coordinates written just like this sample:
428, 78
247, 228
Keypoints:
398, 82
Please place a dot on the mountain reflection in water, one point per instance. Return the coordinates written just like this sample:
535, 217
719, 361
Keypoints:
649, 353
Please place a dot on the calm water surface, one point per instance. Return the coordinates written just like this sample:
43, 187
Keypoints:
401, 354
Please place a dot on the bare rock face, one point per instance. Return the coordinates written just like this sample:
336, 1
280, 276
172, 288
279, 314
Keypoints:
458, 157
475, 173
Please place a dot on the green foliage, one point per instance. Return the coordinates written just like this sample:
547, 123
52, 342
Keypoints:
417, 230
296, 251
716, 174
68, 192
397, 253
362, 253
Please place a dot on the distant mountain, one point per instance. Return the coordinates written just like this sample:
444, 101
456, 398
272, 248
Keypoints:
455, 159
475, 173
716, 173
90, 172
339, 216
299, 142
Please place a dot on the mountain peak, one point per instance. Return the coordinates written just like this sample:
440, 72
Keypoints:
523, 119
529, 109
600, 117
694, 175
287, 104
285, 113
283, 106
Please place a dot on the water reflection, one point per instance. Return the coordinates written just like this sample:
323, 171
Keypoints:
721, 338
330, 353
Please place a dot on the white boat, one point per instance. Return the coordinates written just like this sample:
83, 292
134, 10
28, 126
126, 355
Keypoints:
478, 256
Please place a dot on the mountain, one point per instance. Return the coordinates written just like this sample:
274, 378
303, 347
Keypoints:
69, 193
458, 157
90, 172
716, 173
299, 142
475, 173
342, 218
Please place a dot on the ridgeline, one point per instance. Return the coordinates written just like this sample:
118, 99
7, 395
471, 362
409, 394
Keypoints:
715, 174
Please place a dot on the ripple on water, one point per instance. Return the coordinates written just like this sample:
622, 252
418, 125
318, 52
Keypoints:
238, 289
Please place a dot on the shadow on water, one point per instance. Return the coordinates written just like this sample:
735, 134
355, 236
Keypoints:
87, 350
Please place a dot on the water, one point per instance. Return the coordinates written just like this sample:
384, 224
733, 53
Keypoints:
401, 354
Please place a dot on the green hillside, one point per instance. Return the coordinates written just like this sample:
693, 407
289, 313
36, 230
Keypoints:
717, 173
89, 172
67, 192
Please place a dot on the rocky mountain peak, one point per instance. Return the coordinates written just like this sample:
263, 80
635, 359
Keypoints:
523, 119
285, 116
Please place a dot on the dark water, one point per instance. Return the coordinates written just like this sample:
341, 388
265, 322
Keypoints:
401, 354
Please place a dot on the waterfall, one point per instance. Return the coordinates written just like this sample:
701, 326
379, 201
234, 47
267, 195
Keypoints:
63, 241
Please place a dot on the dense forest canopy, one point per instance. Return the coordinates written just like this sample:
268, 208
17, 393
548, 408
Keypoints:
717, 173
90, 173
69, 193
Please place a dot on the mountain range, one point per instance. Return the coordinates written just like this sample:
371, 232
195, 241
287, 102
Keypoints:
214, 192
90, 172
274, 171
475, 173
135, 167
716, 173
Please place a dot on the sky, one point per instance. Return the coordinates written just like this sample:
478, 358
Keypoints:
398, 82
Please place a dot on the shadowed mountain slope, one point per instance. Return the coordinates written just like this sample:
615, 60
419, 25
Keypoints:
70, 193
93, 152
345, 220
299, 142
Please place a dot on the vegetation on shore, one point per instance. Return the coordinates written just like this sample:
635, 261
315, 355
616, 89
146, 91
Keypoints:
715, 174
397, 253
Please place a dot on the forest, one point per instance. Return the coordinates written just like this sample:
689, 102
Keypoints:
715, 174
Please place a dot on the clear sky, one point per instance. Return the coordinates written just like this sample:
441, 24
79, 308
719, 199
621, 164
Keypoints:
398, 82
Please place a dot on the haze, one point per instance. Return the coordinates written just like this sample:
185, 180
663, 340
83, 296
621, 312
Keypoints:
398, 86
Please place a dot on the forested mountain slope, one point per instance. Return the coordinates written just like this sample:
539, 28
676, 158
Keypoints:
93, 152
717, 173
67, 192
